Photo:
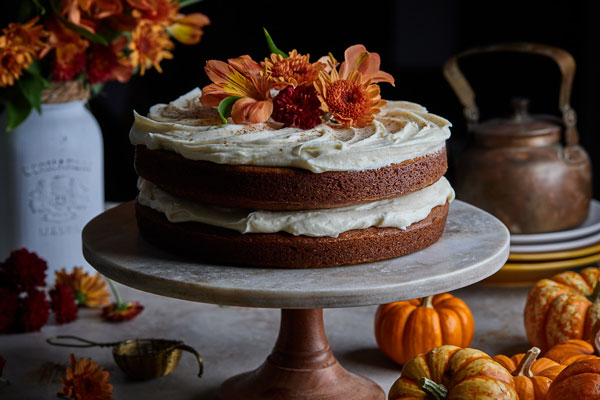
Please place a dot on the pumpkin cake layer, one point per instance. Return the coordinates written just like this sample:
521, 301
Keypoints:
283, 250
281, 188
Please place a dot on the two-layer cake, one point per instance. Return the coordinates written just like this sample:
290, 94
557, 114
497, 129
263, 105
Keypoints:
274, 194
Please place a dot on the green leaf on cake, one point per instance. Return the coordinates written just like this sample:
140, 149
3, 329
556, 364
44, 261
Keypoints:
225, 107
272, 46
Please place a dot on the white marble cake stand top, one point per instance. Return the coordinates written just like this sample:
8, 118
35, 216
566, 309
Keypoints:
474, 245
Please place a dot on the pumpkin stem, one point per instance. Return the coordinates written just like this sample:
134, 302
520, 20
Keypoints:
428, 302
524, 368
595, 296
596, 337
435, 391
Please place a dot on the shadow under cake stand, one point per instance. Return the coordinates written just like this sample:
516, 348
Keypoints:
301, 366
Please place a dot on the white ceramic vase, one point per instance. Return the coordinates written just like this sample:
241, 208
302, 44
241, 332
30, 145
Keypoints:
51, 183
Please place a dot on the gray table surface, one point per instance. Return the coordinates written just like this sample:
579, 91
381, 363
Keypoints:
232, 340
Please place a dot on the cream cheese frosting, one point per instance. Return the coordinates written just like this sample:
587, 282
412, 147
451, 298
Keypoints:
398, 212
401, 131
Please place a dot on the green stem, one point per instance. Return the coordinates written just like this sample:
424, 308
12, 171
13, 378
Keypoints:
427, 302
119, 302
435, 391
595, 297
524, 367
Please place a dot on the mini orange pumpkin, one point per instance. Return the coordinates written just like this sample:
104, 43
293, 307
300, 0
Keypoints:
455, 373
532, 375
407, 328
580, 380
574, 350
563, 307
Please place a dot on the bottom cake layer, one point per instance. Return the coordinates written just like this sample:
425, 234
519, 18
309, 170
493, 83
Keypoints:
282, 250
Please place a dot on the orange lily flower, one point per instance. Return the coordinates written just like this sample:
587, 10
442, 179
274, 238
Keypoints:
357, 58
240, 77
84, 13
159, 11
187, 29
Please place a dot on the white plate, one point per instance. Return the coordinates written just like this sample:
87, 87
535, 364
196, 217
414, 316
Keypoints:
557, 246
589, 226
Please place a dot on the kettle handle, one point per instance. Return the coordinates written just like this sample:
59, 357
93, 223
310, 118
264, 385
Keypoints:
565, 62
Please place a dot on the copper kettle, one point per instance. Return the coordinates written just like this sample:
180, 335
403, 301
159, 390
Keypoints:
518, 168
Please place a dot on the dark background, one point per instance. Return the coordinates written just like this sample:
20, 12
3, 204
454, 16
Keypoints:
413, 38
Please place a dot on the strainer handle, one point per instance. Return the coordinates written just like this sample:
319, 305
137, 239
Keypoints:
185, 347
55, 341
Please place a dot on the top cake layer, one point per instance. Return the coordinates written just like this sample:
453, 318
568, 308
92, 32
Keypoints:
401, 131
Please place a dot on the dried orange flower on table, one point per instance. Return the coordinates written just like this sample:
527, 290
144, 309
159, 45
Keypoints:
293, 70
123, 311
89, 291
84, 380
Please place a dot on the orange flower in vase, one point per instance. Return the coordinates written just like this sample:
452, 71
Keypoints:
351, 101
89, 291
150, 44
241, 79
84, 380
20, 44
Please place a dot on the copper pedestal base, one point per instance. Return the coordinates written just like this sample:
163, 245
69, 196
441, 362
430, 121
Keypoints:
300, 367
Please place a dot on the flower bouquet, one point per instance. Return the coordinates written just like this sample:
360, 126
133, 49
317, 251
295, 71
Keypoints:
88, 41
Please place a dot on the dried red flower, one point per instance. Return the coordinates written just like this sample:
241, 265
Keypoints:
9, 305
299, 107
117, 312
25, 270
63, 303
66, 72
34, 311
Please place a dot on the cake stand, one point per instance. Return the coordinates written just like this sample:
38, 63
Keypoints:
301, 366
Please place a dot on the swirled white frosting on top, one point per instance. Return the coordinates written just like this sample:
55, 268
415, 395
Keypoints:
401, 131
398, 212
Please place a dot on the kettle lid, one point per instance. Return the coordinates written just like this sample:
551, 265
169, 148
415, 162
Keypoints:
521, 129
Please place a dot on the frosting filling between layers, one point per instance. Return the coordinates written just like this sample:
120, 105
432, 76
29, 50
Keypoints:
401, 131
398, 212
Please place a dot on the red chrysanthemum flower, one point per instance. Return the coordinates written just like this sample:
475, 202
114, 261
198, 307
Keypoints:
34, 311
25, 270
63, 303
299, 107
9, 305
66, 72
117, 312
101, 63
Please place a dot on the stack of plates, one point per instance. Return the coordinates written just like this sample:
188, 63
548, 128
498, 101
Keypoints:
536, 256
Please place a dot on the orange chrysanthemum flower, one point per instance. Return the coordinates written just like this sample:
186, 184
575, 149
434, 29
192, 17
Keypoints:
295, 70
351, 101
149, 45
19, 45
89, 291
69, 50
239, 77
84, 380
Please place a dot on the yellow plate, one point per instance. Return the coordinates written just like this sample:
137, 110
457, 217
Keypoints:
529, 273
555, 255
